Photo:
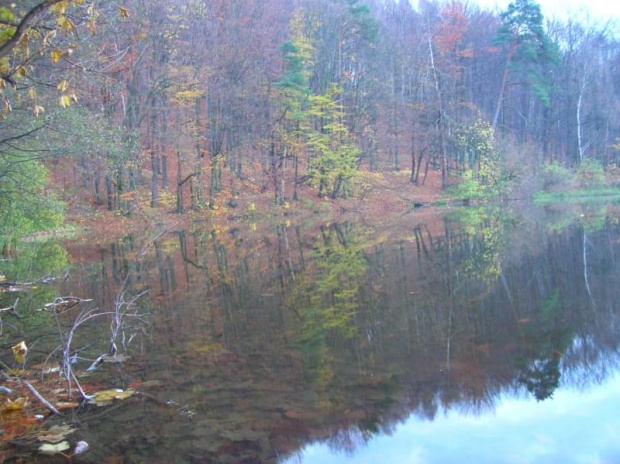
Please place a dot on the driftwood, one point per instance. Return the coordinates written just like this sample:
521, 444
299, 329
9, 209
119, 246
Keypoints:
64, 303
39, 398
24, 286
10, 310
13, 287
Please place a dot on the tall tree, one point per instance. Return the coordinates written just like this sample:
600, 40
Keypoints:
527, 43
335, 155
294, 95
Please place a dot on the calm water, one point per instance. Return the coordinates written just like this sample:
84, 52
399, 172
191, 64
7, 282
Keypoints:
480, 336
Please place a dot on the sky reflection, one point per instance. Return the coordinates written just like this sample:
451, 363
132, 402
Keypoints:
574, 427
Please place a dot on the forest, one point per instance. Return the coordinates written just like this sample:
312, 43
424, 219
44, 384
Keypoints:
226, 107
232, 229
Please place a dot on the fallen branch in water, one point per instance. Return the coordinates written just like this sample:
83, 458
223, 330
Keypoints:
24, 286
63, 303
40, 398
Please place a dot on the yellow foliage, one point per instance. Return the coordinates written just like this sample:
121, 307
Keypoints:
167, 199
56, 54
60, 8
188, 96
92, 25
14, 405
205, 347
65, 24
65, 101
19, 352
105, 397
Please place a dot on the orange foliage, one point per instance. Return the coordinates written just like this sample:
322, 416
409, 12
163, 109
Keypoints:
451, 29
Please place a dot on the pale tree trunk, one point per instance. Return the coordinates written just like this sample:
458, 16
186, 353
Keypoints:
580, 145
502, 88
440, 119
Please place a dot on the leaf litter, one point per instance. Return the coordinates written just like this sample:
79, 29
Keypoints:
55, 434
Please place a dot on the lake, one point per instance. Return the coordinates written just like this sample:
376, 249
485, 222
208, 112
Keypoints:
472, 335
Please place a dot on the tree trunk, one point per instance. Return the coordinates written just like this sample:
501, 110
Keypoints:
179, 188
97, 186
502, 88
413, 178
275, 171
154, 183
440, 119
579, 124
109, 192
295, 195
164, 172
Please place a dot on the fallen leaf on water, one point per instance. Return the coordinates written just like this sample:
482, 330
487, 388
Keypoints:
105, 397
54, 449
67, 405
55, 434
14, 405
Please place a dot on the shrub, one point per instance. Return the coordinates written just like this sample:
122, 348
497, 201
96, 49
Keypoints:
557, 177
591, 174
469, 188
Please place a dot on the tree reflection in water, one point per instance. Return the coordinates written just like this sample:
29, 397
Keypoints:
338, 333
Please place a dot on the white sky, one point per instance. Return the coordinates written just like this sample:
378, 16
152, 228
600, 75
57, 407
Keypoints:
589, 10
598, 10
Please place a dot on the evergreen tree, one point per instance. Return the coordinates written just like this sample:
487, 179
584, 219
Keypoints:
529, 49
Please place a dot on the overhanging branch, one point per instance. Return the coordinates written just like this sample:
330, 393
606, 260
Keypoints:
27, 21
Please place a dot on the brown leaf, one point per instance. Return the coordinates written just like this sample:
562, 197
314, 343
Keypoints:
67, 405
55, 434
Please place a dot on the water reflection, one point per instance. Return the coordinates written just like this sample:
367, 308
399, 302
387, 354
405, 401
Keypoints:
518, 430
339, 333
